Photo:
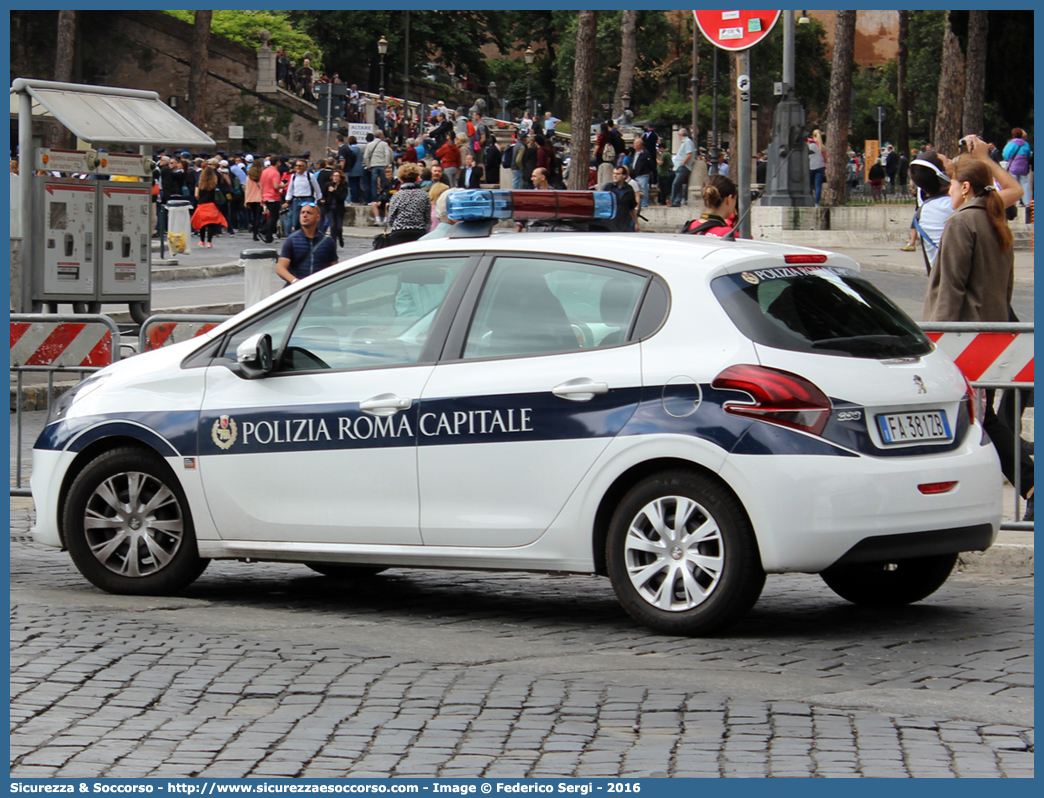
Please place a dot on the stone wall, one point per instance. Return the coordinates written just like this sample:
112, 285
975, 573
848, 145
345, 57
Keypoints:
150, 50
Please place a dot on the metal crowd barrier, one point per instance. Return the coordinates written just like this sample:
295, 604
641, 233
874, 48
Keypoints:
55, 343
993, 356
163, 330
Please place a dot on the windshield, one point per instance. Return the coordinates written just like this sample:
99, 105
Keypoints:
821, 309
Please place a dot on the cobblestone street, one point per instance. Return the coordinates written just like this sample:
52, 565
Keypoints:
268, 670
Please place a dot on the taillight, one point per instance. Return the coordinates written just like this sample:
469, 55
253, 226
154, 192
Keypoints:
806, 259
779, 397
974, 399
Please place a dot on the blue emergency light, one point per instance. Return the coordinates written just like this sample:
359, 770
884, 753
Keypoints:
473, 205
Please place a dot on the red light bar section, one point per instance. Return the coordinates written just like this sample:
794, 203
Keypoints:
804, 258
552, 204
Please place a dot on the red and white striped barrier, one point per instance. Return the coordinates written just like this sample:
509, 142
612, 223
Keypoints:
57, 342
165, 330
166, 333
989, 357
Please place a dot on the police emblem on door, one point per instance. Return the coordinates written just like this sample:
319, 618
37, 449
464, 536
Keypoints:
224, 432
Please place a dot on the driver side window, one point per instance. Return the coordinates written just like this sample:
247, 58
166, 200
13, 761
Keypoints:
378, 317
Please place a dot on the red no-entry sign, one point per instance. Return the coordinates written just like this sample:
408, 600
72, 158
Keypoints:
736, 30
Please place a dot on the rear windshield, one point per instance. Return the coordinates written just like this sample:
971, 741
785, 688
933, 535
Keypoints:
823, 309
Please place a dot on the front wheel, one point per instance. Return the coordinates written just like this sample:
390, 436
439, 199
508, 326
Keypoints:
682, 556
890, 584
128, 527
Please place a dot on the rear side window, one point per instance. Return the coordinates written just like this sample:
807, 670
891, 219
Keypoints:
822, 309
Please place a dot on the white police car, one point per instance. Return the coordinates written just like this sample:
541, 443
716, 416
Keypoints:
682, 414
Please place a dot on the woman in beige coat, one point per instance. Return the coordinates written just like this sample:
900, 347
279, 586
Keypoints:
974, 273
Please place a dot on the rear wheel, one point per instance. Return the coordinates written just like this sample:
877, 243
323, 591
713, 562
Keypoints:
890, 584
128, 527
344, 571
682, 556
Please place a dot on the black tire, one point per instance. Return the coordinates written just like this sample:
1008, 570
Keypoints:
336, 570
144, 544
890, 584
716, 579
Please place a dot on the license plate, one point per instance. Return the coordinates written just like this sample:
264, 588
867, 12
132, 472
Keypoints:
928, 425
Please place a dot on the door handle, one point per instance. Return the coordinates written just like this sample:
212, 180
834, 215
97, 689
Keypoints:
581, 389
385, 404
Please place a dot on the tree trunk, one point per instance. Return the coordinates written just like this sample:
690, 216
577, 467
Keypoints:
838, 108
975, 73
583, 100
903, 98
628, 58
197, 87
63, 64
951, 90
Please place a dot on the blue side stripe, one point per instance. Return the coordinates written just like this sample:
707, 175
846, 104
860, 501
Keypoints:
694, 411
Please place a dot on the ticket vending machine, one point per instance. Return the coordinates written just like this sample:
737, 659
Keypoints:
68, 256
96, 245
125, 241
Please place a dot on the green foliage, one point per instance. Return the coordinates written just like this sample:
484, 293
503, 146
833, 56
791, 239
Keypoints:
452, 38
244, 27
652, 30
924, 64
873, 88
672, 102
674, 109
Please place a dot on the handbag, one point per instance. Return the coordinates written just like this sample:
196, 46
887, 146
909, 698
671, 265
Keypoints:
380, 241
219, 196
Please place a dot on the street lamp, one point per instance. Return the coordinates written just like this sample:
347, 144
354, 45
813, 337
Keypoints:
530, 56
382, 48
787, 173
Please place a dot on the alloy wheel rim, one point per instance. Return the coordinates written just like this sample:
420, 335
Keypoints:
674, 553
133, 524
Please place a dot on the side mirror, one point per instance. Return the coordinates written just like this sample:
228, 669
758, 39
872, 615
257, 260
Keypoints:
255, 355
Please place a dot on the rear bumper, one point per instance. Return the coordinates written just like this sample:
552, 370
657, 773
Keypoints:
812, 512
886, 548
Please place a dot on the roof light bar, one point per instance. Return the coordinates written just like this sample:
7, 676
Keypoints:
482, 204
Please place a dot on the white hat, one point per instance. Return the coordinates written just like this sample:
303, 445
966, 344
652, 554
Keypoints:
249, 158
223, 162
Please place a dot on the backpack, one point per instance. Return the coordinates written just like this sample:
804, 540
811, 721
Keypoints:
699, 229
608, 152
507, 160
237, 187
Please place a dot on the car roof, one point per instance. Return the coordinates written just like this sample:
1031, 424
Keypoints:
661, 253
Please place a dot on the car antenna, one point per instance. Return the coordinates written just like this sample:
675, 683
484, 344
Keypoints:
756, 195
